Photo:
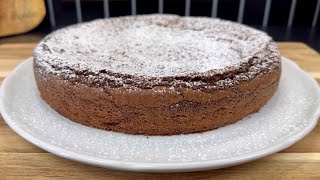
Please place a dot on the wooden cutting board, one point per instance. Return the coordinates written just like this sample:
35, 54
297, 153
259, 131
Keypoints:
20, 16
19, 158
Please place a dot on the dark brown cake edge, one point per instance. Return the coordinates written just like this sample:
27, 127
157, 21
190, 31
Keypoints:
154, 113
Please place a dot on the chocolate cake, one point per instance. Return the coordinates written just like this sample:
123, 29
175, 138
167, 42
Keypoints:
157, 74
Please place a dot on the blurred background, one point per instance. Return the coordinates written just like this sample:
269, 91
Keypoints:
284, 20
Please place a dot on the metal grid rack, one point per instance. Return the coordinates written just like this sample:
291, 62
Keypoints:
187, 9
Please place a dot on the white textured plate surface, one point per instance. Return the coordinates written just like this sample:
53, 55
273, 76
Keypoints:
290, 115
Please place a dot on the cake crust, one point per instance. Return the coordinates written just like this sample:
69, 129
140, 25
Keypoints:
158, 98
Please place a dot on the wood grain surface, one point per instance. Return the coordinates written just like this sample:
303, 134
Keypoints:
20, 159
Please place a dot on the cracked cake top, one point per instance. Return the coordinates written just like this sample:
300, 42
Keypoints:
157, 50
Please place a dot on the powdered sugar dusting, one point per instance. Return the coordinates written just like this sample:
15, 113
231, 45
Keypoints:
155, 47
162, 51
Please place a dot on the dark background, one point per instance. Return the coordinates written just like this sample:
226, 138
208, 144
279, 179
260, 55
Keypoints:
65, 14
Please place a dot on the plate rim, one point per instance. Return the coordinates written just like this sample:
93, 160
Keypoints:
162, 167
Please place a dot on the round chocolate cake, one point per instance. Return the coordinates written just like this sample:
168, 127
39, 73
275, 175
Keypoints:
157, 74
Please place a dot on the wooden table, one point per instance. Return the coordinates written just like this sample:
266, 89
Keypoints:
19, 158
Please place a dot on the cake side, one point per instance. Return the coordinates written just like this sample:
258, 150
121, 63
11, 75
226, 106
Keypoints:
149, 112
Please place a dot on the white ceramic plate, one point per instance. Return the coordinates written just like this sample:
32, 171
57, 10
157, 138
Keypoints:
290, 115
